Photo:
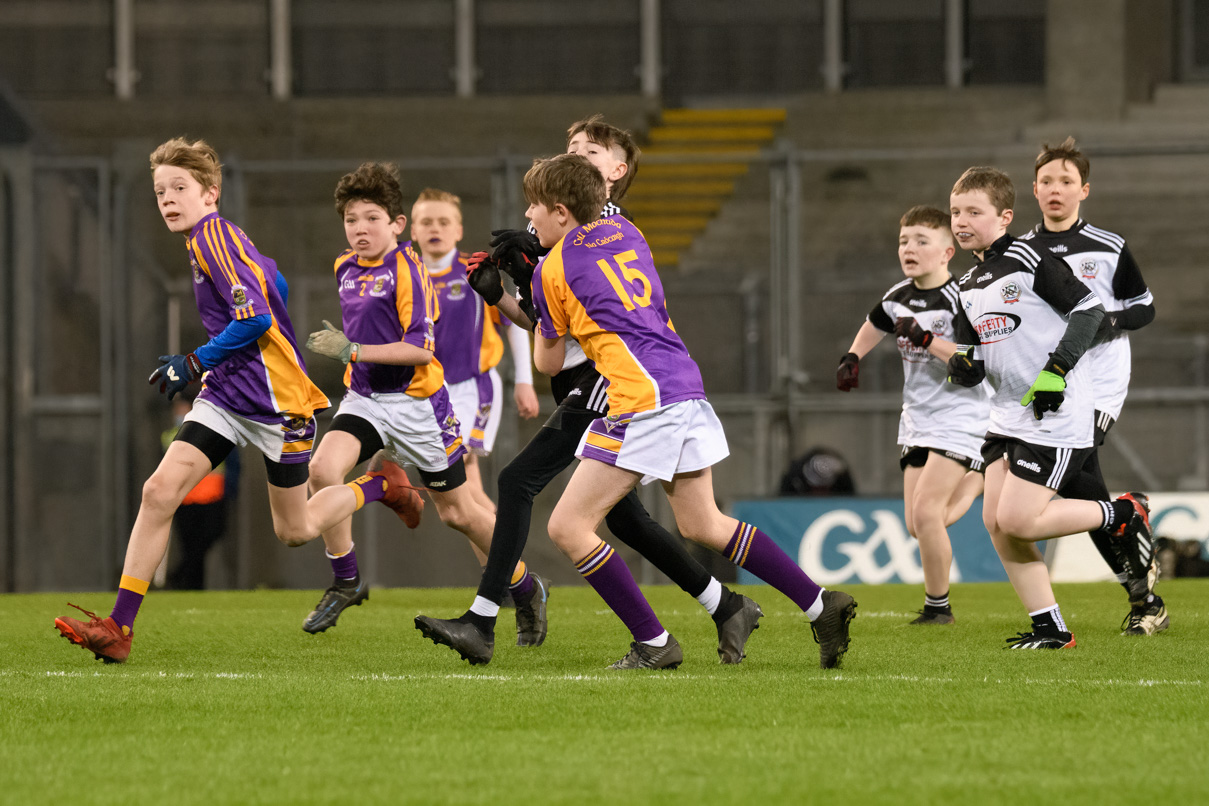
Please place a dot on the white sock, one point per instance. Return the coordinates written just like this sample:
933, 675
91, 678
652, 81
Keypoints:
816, 609
484, 607
711, 597
660, 640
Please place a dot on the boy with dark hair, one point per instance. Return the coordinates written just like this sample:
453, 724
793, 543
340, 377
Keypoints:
580, 393
396, 402
1104, 263
1023, 309
255, 390
942, 426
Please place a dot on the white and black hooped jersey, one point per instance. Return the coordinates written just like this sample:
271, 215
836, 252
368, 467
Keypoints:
1015, 306
936, 414
1102, 261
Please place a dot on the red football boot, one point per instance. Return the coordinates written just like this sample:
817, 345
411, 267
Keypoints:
100, 636
400, 495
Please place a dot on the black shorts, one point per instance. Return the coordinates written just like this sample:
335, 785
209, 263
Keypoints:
582, 395
915, 456
442, 481
1040, 464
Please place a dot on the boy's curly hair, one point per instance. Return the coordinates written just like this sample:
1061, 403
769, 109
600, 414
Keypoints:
373, 182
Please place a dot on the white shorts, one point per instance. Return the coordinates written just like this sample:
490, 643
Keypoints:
287, 442
478, 401
419, 431
679, 438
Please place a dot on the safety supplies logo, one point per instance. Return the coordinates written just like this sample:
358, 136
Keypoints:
995, 326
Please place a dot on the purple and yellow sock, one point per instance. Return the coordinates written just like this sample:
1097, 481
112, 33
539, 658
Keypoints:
367, 489
611, 578
753, 550
344, 566
521, 585
130, 597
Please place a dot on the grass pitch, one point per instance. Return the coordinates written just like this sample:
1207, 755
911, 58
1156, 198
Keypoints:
226, 700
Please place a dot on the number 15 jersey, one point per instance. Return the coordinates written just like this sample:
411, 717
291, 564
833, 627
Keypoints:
599, 285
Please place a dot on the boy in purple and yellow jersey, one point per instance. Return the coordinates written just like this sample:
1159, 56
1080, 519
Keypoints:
598, 285
255, 391
396, 402
468, 334
580, 395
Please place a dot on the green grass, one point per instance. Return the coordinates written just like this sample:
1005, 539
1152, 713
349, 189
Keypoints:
226, 700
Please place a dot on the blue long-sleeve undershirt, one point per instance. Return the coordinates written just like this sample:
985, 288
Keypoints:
240, 333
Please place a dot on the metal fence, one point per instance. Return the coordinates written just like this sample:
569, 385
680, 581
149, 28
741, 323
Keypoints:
92, 293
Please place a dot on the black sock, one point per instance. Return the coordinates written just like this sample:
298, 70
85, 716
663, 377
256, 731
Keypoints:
728, 605
1122, 511
347, 583
484, 623
1047, 622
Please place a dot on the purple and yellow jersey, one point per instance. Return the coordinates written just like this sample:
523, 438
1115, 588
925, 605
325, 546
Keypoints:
386, 301
599, 286
265, 380
468, 332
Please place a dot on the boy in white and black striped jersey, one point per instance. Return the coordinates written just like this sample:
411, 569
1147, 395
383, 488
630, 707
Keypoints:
942, 426
1025, 322
1103, 262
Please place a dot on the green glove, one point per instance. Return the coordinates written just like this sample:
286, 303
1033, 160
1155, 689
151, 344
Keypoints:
1045, 394
332, 343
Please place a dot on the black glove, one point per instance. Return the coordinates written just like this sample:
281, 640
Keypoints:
517, 251
847, 376
965, 370
906, 327
1049, 390
484, 275
176, 372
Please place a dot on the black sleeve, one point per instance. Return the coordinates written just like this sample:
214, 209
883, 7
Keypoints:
963, 331
1127, 282
1134, 317
880, 319
1054, 283
1080, 333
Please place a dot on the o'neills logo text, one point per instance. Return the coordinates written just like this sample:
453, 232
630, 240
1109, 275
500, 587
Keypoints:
582, 238
993, 327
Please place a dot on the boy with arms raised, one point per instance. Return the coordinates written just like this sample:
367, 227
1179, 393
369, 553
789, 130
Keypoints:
1102, 261
942, 426
580, 393
599, 286
1025, 323
255, 391
396, 401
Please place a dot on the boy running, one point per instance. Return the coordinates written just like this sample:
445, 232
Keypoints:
1104, 263
468, 342
1023, 310
598, 285
255, 391
942, 426
580, 393
396, 400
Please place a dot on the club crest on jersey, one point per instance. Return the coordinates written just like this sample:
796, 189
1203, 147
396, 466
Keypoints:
993, 327
939, 325
429, 330
379, 287
1089, 269
1010, 293
239, 298
457, 290
198, 276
